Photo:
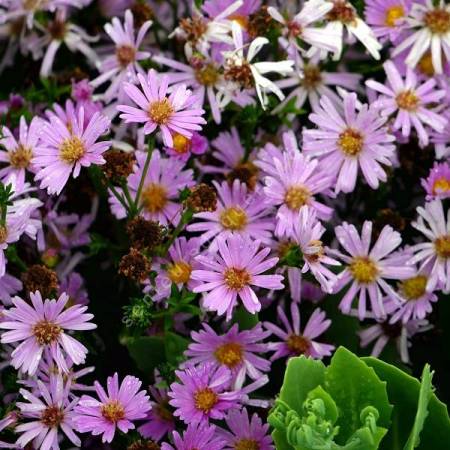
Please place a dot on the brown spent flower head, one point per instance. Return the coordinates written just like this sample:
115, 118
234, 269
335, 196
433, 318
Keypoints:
390, 217
260, 23
144, 234
40, 278
245, 172
144, 445
119, 165
135, 266
203, 198
141, 13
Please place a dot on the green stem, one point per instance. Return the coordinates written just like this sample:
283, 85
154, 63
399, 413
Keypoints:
144, 173
120, 198
184, 219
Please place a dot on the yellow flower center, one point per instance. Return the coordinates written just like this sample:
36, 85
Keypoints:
207, 75
425, 64
393, 14
407, 100
351, 142
364, 270
296, 197
246, 444
46, 332
205, 399
229, 354
125, 54
160, 111
21, 157
441, 185
113, 411
179, 272
311, 77
298, 344
438, 21
236, 278
52, 416
233, 218
413, 288
442, 246
31, 5
181, 144
154, 197
72, 150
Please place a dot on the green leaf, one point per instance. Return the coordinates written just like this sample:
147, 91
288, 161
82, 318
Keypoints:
147, 352
426, 389
353, 386
244, 319
175, 346
331, 412
403, 391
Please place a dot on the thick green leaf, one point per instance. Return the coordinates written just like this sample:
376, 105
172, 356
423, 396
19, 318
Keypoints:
403, 391
147, 351
244, 319
353, 385
175, 345
331, 412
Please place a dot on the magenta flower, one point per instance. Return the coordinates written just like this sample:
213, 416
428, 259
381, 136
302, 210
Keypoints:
236, 350
66, 148
116, 408
18, 153
177, 113
232, 272
294, 342
437, 185
412, 101
198, 437
367, 269
350, 140
49, 412
203, 393
245, 433
184, 147
238, 212
41, 326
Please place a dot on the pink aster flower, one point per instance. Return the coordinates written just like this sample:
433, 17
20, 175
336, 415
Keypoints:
236, 350
434, 255
176, 113
117, 408
306, 232
42, 326
411, 100
230, 274
49, 411
294, 342
124, 64
437, 185
183, 147
245, 432
238, 212
367, 269
63, 150
196, 436
18, 153
163, 181
349, 141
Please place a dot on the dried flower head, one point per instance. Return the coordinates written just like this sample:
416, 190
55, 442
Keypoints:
203, 198
135, 265
40, 278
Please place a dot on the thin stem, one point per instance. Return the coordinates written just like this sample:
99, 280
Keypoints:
184, 219
120, 198
144, 173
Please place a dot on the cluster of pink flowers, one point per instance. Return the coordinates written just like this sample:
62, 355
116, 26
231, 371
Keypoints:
245, 165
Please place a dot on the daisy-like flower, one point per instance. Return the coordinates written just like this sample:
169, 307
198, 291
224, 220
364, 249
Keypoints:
183, 147
307, 232
230, 274
430, 25
310, 83
295, 342
42, 326
64, 150
294, 184
117, 408
124, 64
350, 140
237, 212
434, 256
437, 185
48, 413
411, 100
176, 113
18, 153
302, 26
387, 17
242, 73
236, 350
199, 436
163, 181
245, 433
343, 16
367, 269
